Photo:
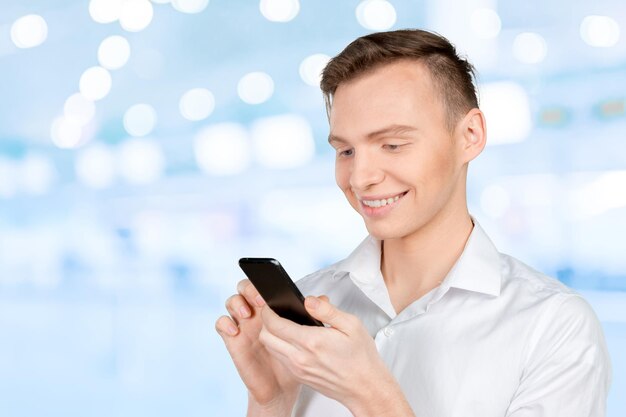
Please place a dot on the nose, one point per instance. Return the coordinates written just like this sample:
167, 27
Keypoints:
366, 172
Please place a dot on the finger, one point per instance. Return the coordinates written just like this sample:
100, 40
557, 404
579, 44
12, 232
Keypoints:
226, 327
276, 344
282, 328
321, 309
323, 297
238, 307
252, 296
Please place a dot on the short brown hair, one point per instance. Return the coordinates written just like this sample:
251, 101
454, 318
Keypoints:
452, 75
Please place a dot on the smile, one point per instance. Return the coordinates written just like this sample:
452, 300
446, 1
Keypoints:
382, 202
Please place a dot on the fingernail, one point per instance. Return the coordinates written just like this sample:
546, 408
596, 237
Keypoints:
232, 330
259, 301
313, 302
244, 312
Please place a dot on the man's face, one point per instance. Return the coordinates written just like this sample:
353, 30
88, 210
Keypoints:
396, 162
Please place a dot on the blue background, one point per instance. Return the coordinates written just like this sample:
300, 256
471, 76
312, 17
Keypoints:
108, 294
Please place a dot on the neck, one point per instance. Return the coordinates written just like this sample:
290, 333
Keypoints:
415, 264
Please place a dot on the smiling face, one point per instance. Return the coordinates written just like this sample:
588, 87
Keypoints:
397, 163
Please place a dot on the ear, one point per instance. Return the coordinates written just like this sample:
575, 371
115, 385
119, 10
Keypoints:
472, 134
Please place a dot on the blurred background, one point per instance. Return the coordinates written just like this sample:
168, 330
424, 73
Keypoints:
146, 145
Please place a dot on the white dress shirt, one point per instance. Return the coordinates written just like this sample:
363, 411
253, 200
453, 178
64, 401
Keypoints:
495, 338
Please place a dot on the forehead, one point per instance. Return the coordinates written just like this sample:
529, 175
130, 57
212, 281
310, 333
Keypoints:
400, 93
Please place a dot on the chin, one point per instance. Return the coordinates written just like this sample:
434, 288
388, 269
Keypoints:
381, 232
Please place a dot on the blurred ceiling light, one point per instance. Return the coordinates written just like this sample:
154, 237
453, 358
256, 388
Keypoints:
94, 166
255, 87
29, 31
114, 52
495, 201
105, 11
554, 117
161, 1
37, 174
136, 15
530, 48
141, 161
609, 109
279, 10
196, 104
376, 14
283, 142
485, 23
140, 119
95, 83
222, 149
79, 109
311, 69
190, 6
600, 31
601, 195
8, 177
66, 133
507, 111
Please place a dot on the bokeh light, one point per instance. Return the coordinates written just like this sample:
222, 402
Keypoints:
376, 14
283, 142
311, 69
255, 87
600, 195
95, 166
222, 149
113, 52
29, 31
37, 174
66, 133
600, 31
485, 23
196, 104
8, 176
530, 48
140, 119
105, 11
136, 15
279, 10
95, 83
79, 109
141, 161
190, 6
507, 109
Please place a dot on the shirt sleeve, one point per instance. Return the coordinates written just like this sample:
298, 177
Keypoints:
567, 370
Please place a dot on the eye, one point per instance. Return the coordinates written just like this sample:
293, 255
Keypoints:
346, 152
391, 147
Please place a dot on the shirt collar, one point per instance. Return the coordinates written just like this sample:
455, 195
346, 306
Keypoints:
477, 269
363, 263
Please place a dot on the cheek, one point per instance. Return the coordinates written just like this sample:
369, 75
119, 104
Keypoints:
342, 176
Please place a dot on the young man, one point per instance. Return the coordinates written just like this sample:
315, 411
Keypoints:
425, 317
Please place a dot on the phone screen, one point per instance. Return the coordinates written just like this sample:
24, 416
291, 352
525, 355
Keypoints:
277, 289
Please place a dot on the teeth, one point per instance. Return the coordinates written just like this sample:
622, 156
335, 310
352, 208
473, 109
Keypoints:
380, 203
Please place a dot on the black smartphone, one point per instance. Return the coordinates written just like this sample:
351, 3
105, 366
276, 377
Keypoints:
277, 289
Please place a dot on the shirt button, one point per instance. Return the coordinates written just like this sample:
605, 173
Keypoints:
388, 331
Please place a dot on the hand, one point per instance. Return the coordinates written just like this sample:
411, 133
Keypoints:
270, 385
340, 361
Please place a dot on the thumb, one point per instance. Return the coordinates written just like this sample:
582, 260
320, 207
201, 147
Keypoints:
321, 309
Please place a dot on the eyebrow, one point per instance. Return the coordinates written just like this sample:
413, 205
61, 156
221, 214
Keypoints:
394, 129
